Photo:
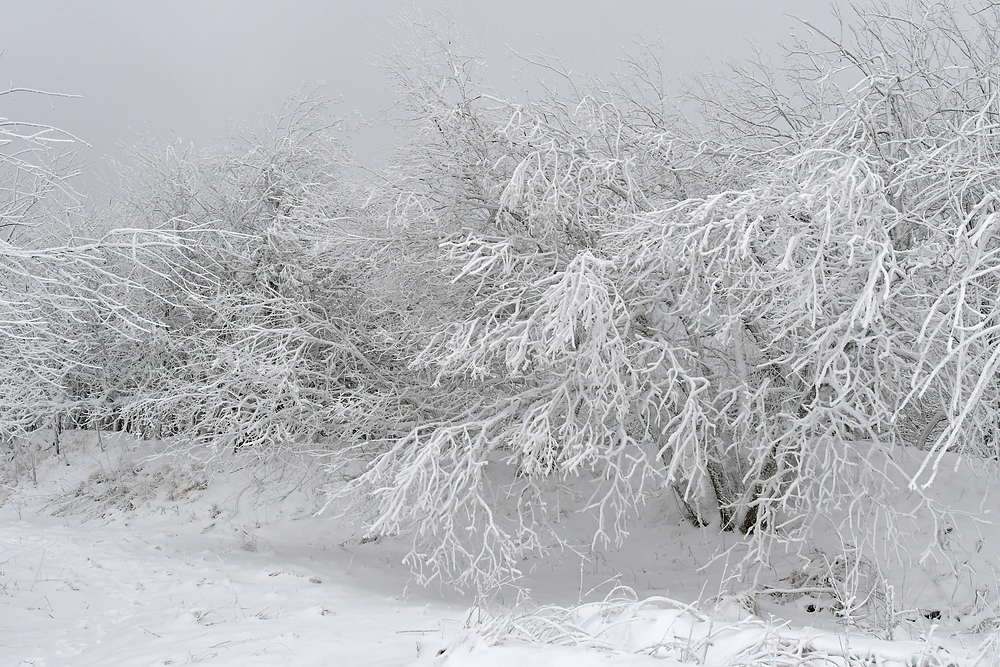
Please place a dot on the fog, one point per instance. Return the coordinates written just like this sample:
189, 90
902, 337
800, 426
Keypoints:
187, 69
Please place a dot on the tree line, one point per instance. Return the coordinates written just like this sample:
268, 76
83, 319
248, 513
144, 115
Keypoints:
747, 296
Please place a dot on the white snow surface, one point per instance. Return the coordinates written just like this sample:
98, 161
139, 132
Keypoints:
147, 567
116, 556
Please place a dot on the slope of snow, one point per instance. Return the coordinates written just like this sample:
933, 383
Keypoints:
117, 557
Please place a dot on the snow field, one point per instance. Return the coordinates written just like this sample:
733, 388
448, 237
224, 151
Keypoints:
170, 585
119, 558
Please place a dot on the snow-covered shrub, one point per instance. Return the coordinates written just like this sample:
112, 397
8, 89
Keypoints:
760, 342
267, 350
843, 304
525, 374
71, 315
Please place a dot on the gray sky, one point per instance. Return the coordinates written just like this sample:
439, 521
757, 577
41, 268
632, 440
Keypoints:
188, 68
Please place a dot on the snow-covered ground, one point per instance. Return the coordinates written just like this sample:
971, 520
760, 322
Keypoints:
115, 558
138, 564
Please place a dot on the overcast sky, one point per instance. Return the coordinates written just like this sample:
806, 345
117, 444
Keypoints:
187, 68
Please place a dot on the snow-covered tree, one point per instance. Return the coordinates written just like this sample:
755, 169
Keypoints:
752, 308
287, 342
